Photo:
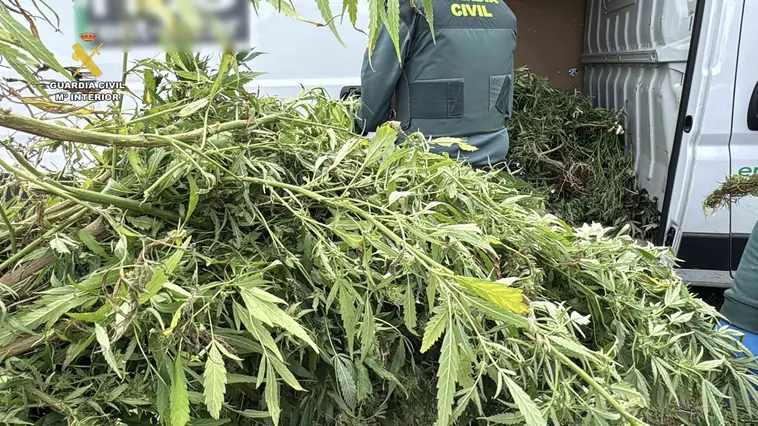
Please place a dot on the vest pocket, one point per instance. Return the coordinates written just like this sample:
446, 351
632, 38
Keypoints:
436, 99
500, 90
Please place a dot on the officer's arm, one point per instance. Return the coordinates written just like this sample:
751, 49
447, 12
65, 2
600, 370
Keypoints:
379, 78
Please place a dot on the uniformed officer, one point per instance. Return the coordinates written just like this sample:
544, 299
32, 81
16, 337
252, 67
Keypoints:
458, 83
741, 300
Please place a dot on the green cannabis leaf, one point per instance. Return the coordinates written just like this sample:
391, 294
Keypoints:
102, 339
525, 404
434, 329
214, 381
180, 407
508, 298
446, 376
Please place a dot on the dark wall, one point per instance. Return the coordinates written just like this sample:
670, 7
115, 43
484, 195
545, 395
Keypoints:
551, 38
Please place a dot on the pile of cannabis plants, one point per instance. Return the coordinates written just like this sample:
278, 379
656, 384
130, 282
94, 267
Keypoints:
233, 259
571, 151
222, 258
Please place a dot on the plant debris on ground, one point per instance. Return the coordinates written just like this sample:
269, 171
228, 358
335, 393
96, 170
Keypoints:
572, 152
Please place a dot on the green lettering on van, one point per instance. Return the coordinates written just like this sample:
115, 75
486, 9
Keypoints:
747, 171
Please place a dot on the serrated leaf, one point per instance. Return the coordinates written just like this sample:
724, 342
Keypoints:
105, 344
272, 395
343, 369
141, 222
409, 308
254, 414
265, 296
232, 379
173, 261
525, 404
465, 378
59, 246
434, 329
176, 289
446, 377
392, 24
506, 419
30, 43
257, 330
271, 314
508, 298
193, 107
91, 243
363, 385
347, 312
380, 371
448, 142
76, 349
285, 321
397, 195
326, 13
193, 197
469, 393
20, 62
214, 381
368, 330
352, 10
156, 283
383, 141
174, 320
179, 398
136, 162
121, 248
429, 12
709, 365
575, 348
228, 354
93, 317
285, 374
343, 153
374, 25
495, 312
431, 292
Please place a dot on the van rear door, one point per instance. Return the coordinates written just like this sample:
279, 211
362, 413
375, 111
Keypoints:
699, 156
743, 145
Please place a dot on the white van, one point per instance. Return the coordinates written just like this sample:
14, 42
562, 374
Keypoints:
684, 71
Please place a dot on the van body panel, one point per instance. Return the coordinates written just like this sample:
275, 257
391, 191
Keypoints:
743, 144
635, 53
702, 163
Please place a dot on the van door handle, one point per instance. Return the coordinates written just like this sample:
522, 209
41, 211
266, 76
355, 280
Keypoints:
752, 110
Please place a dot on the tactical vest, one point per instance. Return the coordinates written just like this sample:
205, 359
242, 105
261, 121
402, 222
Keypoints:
458, 84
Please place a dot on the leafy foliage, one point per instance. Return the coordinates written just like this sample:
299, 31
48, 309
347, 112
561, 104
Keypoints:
733, 189
235, 259
285, 297
572, 153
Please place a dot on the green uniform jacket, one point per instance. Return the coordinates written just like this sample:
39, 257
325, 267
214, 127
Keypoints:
741, 300
458, 83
